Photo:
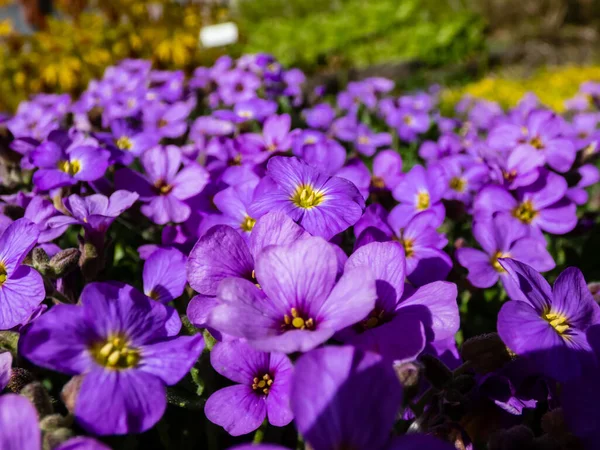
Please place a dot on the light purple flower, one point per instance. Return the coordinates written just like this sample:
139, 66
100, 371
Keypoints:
21, 287
299, 304
165, 187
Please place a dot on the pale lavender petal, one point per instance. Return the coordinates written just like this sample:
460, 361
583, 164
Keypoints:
237, 408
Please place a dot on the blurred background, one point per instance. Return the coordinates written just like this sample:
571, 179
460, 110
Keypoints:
495, 49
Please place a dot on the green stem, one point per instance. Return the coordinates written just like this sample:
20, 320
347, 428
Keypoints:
260, 433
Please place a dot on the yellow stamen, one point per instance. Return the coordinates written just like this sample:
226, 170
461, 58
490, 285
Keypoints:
307, 197
124, 143
423, 201
70, 167
262, 384
408, 247
458, 184
163, 187
377, 182
496, 264
248, 223
525, 212
296, 321
407, 120
115, 353
363, 140
3, 273
374, 319
537, 143
557, 321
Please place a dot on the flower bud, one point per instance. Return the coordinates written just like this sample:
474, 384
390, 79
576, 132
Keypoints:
19, 378
64, 261
54, 438
486, 353
9, 340
408, 373
40, 260
89, 260
38, 396
55, 421
594, 288
70, 391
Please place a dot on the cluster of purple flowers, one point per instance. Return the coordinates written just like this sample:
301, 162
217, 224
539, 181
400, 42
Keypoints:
298, 265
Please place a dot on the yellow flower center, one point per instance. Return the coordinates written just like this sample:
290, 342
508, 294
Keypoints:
525, 212
263, 383
537, 143
364, 140
423, 201
70, 167
375, 318
496, 264
248, 223
124, 143
377, 182
558, 322
306, 197
407, 120
509, 176
245, 114
115, 353
296, 321
458, 184
408, 247
3, 273
162, 123
162, 187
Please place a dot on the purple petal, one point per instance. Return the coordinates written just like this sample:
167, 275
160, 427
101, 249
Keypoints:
5, 369
274, 228
19, 424
481, 272
164, 275
572, 299
82, 443
16, 242
238, 361
170, 360
19, 296
237, 408
190, 181
534, 287
219, 254
137, 401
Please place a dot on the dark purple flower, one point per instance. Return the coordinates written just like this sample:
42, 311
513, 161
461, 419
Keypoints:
399, 326
21, 287
165, 187
421, 190
335, 411
323, 205
123, 344
548, 326
61, 162
299, 304
262, 389
502, 237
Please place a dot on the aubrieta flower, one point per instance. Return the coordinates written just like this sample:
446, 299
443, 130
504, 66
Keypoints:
547, 326
408, 122
323, 205
421, 190
95, 212
21, 430
62, 162
41, 212
122, 344
326, 412
465, 176
21, 287
262, 389
234, 202
317, 150
540, 206
299, 304
167, 120
402, 322
164, 275
165, 187
387, 170
367, 142
502, 237
425, 260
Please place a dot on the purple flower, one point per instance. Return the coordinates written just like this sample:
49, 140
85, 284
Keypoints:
421, 190
425, 261
447, 145
165, 187
541, 133
324, 206
367, 142
514, 168
326, 155
387, 170
128, 141
299, 304
234, 202
548, 326
502, 237
167, 120
95, 212
123, 344
237, 85
540, 206
335, 411
320, 116
63, 163
399, 326
590, 175
262, 389
21, 287
408, 122
465, 176
41, 212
